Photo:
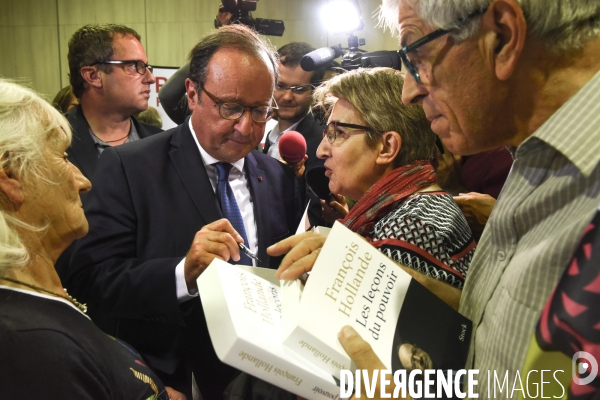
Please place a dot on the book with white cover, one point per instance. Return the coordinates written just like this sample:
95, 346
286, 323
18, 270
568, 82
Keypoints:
242, 308
352, 283
288, 335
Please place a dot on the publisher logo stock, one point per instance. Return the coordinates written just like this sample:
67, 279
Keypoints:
586, 368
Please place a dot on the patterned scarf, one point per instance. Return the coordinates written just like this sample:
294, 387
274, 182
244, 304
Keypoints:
382, 197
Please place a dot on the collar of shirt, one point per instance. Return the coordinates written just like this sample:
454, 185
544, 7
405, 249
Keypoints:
209, 160
572, 129
275, 134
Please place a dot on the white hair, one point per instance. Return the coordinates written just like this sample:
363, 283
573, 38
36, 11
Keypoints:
28, 124
563, 24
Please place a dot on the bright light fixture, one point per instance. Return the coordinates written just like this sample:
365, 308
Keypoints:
341, 16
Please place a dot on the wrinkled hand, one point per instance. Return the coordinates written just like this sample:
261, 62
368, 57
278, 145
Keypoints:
215, 240
476, 206
297, 167
448, 171
334, 209
174, 394
302, 251
365, 358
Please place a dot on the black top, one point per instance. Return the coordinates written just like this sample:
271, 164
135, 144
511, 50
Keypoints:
50, 350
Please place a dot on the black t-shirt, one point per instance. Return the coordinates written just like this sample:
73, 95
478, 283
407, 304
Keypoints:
50, 350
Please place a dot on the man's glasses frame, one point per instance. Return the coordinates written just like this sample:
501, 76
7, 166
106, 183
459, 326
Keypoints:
298, 89
227, 110
140, 66
332, 136
403, 53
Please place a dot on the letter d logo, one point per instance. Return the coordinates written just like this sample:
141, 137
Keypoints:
588, 364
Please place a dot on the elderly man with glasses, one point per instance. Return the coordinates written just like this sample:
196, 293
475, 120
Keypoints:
522, 74
163, 208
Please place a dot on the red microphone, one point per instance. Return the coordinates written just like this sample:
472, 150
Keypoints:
292, 146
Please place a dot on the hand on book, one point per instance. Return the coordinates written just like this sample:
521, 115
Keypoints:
215, 240
302, 251
363, 356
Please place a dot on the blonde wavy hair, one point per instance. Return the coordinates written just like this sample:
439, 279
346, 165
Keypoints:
28, 125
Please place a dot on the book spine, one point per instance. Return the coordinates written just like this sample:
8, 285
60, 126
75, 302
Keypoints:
317, 352
282, 373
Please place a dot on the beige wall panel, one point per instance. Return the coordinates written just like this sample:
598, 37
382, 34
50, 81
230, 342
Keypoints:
80, 12
31, 53
27, 12
181, 10
169, 43
65, 33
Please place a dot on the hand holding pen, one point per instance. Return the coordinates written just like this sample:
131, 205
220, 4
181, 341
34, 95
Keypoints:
216, 240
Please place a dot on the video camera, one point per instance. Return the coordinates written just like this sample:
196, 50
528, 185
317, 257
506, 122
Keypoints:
241, 10
353, 58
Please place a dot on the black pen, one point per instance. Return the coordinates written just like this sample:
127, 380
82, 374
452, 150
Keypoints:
247, 252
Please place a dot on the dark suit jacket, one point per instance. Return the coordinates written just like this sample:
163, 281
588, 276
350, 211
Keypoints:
149, 198
312, 130
82, 151
83, 154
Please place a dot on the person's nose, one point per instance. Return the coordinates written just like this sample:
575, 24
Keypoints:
245, 124
149, 77
288, 95
323, 151
413, 92
83, 184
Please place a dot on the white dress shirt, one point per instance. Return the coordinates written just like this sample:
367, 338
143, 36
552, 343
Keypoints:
239, 186
274, 136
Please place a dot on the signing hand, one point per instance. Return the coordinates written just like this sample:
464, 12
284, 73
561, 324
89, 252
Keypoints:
215, 240
302, 251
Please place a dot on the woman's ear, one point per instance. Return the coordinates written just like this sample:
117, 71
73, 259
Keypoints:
11, 188
389, 148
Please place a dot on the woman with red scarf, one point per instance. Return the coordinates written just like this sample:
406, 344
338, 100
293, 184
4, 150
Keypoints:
377, 152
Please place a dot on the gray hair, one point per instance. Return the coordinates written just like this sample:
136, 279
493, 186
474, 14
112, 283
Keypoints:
376, 94
28, 124
563, 24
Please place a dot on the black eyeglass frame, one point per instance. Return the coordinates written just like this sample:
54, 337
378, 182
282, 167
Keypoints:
403, 52
137, 64
297, 89
345, 125
220, 103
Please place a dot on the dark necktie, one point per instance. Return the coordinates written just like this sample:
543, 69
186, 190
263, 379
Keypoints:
229, 206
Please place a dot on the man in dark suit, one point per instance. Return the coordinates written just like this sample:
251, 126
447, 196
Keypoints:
293, 95
109, 73
156, 221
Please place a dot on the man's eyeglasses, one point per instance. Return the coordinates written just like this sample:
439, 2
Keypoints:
403, 53
332, 133
140, 66
234, 111
280, 87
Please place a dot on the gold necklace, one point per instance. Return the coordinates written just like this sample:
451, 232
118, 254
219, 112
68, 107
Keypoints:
109, 141
81, 307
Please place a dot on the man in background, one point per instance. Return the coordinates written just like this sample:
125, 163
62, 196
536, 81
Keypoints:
109, 73
163, 208
293, 96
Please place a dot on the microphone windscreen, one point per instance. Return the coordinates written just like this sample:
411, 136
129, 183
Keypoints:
292, 146
318, 182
